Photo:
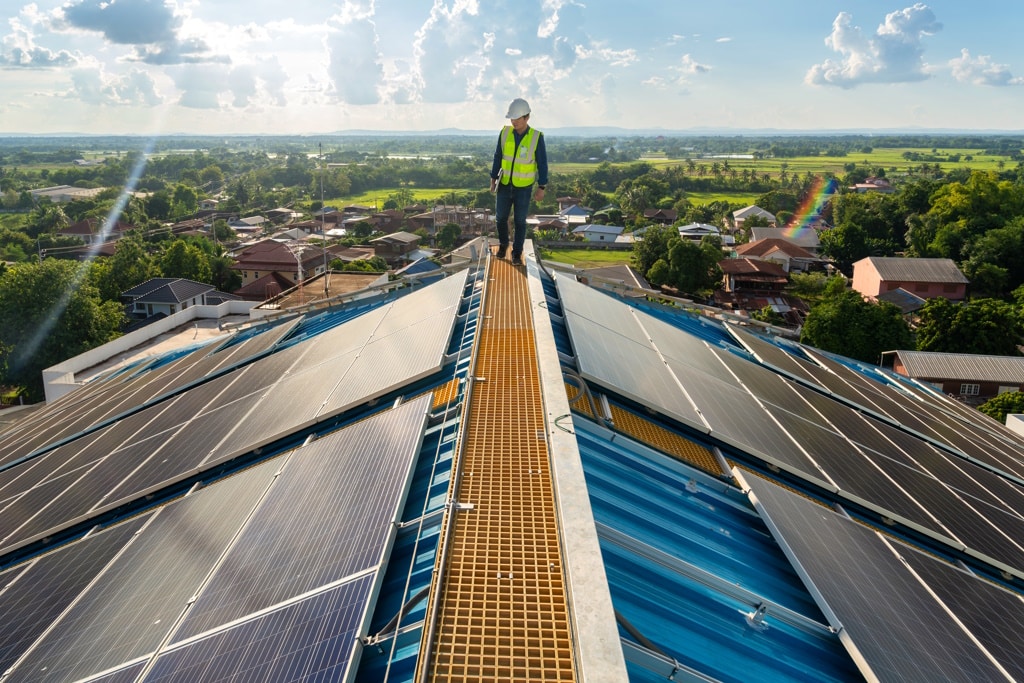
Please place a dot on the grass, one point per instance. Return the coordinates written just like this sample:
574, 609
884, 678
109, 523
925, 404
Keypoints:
890, 159
586, 258
420, 196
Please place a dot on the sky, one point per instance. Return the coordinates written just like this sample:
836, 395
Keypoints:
152, 67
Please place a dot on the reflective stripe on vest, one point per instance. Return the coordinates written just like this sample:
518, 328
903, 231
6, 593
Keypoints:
521, 165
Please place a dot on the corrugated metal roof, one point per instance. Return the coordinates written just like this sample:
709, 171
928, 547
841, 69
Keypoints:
915, 269
963, 366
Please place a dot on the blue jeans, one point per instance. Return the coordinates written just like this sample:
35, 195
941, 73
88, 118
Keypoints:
516, 200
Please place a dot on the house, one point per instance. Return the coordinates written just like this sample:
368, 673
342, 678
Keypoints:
972, 378
389, 220
565, 202
470, 221
397, 247
291, 235
805, 238
91, 231
575, 214
265, 287
740, 216
249, 223
928, 278
350, 254
752, 274
294, 262
695, 232
873, 184
168, 295
791, 257
209, 204
282, 214
661, 216
598, 233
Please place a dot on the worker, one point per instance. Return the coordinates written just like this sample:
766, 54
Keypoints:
520, 162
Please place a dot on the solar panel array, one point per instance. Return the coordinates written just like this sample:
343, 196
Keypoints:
270, 570
138, 433
905, 615
890, 454
290, 549
860, 439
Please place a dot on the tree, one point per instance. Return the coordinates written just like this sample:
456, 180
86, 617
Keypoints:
130, 265
374, 264
1008, 403
845, 244
844, 323
694, 267
448, 236
184, 201
185, 261
984, 326
652, 247
51, 313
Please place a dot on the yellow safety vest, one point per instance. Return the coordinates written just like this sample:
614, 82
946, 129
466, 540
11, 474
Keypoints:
519, 166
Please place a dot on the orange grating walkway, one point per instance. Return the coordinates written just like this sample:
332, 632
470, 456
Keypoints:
503, 613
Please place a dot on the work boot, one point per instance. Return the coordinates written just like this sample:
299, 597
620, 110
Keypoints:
502, 249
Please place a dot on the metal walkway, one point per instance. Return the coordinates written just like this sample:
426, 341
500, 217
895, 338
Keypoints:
502, 612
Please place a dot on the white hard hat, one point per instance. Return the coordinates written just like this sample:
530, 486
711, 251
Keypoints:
519, 107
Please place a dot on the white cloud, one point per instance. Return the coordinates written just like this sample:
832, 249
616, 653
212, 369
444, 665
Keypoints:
607, 55
688, 65
127, 22
894, 54
981, 70
154, 29
19, 48
723, 39
499, 49
355, 65
92, 85
216, 86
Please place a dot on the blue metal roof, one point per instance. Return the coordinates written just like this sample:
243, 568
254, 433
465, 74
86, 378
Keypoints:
688, 560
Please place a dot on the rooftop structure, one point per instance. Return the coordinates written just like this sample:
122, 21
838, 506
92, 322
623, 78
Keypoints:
509, 475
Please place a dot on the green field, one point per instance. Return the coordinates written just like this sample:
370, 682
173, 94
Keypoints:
890, 159
586, 258
422, 196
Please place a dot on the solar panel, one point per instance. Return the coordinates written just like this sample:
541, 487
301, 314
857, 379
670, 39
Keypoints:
315, 639
327, 516
991, 614
890, 619
600, 309
128, 611
632, 369
46, 587
773, 355
676, 345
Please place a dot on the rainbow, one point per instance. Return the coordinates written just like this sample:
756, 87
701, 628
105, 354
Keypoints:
807, 213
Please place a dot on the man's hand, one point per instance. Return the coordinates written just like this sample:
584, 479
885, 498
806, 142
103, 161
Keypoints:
539, 193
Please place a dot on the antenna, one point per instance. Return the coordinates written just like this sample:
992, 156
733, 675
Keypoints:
323, 224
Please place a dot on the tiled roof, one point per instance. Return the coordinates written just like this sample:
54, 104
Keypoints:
895, 268
766, 246
746, 266
272, 255
964, 366
167, 290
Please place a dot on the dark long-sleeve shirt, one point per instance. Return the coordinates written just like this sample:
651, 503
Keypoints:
542, 156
